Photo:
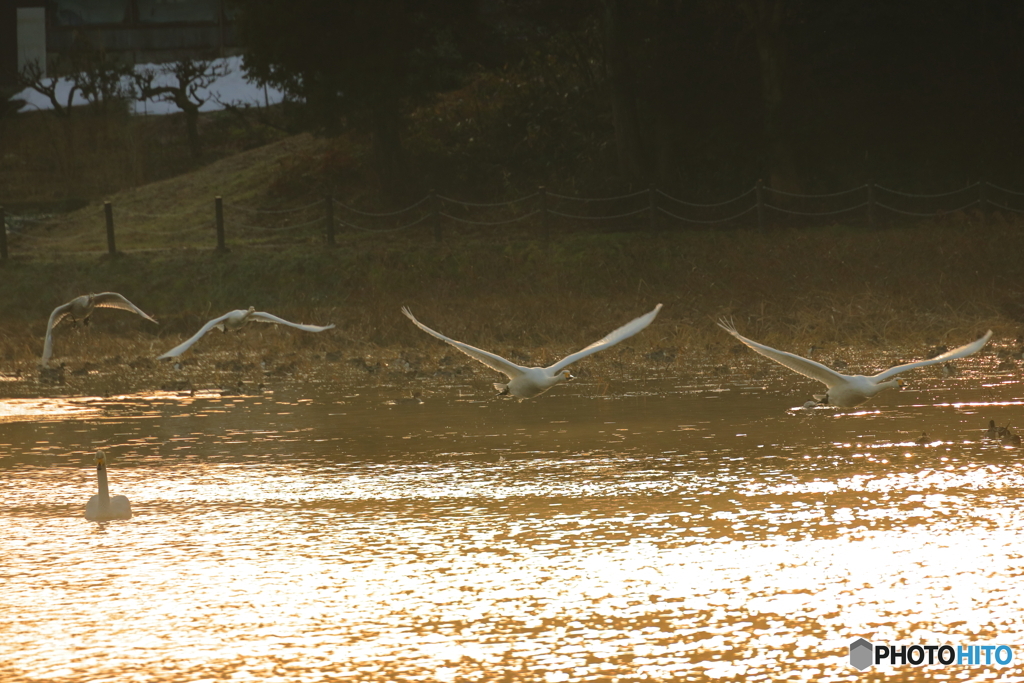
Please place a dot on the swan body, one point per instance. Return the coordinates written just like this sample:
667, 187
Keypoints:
529, 382
848, 391
102, 506
80, 308
234, 320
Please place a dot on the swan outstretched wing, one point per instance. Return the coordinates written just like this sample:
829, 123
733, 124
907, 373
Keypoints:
961, 352
59, 314
55, 318
258, 316
184, 346
799, 364
491, 360
115, 300
611, 339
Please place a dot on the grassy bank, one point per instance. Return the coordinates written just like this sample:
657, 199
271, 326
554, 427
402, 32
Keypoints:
915, 285
937, 283
48, 161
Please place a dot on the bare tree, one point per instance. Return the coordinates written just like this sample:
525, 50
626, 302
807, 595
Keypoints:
87, 73
105, 84
32, 76
192, 76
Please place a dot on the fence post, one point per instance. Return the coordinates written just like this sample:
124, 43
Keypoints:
108, 211
329, 211
3, 235
983, 201
871, 203
544, 225
218, 206
435, 211
760, 203
651, 208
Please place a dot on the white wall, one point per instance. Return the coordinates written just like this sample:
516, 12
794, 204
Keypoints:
31, 36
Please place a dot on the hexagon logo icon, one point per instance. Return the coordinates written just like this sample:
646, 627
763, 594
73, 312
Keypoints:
860, 654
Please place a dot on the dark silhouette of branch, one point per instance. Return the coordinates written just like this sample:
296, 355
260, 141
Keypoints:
191, 76
103, 83
32, 76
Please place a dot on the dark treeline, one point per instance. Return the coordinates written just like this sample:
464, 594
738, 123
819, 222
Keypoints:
696, 96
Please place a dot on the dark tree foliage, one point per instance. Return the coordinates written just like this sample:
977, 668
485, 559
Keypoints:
701, 97
366, 60
812, 96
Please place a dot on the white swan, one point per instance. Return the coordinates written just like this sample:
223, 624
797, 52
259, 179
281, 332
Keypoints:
530, 382
847, 391
103, 506
234, 320
80, 308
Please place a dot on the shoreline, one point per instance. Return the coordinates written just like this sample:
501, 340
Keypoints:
908, 289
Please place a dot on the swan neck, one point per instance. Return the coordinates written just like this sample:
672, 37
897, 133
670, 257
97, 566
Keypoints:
555, 379
101, 479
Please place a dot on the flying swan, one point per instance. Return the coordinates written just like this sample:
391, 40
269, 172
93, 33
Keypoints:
234, 320
847, 391
530, 382
102, 506
80, 308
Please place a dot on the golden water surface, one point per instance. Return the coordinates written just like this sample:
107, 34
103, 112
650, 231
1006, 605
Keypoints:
661, 531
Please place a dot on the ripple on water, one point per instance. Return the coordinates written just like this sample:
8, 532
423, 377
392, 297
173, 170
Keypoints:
634, 538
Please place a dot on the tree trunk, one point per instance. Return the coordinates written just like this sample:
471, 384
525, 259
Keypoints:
192, 130
623, 96
70, 160
388, 152
765, 17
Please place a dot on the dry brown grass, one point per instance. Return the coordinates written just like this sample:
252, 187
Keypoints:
48, 161
941, 281
917, 286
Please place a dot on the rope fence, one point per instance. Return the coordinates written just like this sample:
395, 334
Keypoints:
322, 219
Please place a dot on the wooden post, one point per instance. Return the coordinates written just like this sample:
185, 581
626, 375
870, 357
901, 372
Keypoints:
871, 203
329, 211
651, 208
218, 207
760, 203
545, 226
108, 211
3, 235
435, 211
983, 201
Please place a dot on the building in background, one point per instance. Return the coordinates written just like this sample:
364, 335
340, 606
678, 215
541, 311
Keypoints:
22, 36
130, 31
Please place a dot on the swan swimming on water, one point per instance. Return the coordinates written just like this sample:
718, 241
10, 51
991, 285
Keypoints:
234, 320
79, 309
530, 382
103, 506
847, 391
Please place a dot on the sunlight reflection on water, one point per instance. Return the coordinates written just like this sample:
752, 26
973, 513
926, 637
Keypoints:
665, 534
